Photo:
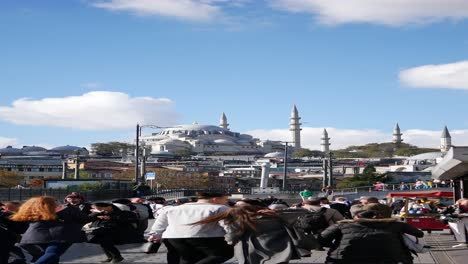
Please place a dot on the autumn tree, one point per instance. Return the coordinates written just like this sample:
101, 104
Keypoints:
10, 179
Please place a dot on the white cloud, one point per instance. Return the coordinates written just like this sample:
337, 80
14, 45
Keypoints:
193, 10
97, 110
342, 138
4, 142
449, 76
387, 12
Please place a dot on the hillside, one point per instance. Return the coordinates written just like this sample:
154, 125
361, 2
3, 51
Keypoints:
379, 150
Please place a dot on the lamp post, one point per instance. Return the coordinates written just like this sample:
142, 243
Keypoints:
285, 159
137, 148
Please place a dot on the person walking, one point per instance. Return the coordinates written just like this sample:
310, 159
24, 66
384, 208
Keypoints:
10, 232
371, 237
258, 235
111, 226
193, 244
51, 226
77, 200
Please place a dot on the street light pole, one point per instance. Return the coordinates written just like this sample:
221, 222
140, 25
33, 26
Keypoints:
285, 160
137, 154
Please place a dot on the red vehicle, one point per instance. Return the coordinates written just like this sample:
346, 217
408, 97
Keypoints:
425, 219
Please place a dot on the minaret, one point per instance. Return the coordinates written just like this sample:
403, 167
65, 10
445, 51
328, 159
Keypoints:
397, 135
445, 140
295, 128
325, 142
223, 121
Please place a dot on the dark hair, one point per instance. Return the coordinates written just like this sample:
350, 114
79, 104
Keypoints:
254, 202
314, 201
102, 204
122, 201
208, 195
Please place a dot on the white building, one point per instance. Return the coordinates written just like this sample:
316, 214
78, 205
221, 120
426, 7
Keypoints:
199, 138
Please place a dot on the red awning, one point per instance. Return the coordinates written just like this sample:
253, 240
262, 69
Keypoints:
421, 194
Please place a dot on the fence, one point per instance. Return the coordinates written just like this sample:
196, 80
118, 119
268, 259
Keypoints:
13, 194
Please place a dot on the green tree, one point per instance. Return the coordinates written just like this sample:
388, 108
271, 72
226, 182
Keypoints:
112, 148
367, 178
303, 153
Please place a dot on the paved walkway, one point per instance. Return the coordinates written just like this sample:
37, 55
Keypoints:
441, 242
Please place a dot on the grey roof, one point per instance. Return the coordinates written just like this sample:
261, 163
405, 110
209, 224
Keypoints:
397, 127
33, 149
196, 127
445, 133
66, 148
453, 166
10, 150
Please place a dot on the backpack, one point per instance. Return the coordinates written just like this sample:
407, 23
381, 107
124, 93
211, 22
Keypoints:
312, 222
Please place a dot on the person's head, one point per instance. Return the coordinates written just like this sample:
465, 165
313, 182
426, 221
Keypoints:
212, 197
363, 200
313, 201
102, 207
42, 208
12, 207
373, 210
372, 200
463, 202
74, 198
340, 199
324, 200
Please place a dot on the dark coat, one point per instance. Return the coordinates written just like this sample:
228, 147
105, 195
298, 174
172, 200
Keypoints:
268, 244
121, 228
66, 229
10, 230
84, 207
368, 241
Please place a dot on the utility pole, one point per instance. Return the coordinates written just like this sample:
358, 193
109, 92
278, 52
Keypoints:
137, 154
330, 162
325, 172
77, 165
285, 174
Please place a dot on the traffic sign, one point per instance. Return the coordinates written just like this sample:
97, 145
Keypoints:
150, 176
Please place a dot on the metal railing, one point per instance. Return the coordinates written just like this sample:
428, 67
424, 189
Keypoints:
389, 188
13, 194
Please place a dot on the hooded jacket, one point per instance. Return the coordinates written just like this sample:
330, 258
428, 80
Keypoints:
368, 241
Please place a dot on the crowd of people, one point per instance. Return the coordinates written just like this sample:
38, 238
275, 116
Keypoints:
207, 229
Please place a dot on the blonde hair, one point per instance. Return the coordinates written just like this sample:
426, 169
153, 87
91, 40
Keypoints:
40, 208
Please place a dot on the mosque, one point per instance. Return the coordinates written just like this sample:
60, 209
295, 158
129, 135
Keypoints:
198, 138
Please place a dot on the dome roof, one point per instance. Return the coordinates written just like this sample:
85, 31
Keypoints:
276, 154
66, 148
10, 151
196, 127
427, 156
33, 149
244, 142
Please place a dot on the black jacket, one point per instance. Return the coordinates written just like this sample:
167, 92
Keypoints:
66, 229
119, 229
10, 230
368, 241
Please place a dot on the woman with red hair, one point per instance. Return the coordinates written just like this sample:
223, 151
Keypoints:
52, 227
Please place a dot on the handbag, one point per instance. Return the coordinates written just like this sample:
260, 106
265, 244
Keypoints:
414, 244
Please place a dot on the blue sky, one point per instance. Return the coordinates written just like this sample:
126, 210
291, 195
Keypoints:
90, 70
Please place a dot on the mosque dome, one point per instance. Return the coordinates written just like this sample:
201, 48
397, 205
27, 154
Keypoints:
10, 151
201, 129
244, 142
